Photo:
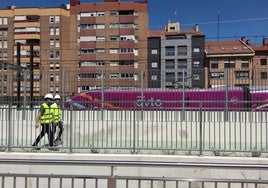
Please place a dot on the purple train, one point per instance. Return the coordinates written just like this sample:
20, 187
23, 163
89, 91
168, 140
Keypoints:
238, 99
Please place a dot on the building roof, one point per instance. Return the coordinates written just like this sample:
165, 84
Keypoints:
228, 48
259, 48
161, 33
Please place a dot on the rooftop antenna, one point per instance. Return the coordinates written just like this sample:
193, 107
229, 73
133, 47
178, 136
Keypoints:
175, 15
218, 27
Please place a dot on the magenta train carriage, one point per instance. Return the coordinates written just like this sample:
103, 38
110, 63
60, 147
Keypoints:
234, 99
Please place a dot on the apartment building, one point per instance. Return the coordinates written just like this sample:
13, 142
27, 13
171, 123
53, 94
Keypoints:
111, 38
229, 63
178, 55
260, 65
41, 29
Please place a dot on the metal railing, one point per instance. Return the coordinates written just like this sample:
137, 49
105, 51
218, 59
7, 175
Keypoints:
195, 132
112, 176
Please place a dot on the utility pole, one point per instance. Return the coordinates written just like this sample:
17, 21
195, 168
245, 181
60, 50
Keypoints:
18, 77
218, 25
31, 75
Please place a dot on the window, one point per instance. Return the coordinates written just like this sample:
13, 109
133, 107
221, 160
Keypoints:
3, 44
214, 64
57, 19
3, 32
113, 13
217, 75
113, 51
182, 64
182, 50
241, 74
51, 19
87, 14
263, 61
126, 50
54, 19
113, 75
245, 64
57, 43
52, 42
88, 51
100, 51
170, 64
113, 25
196, 50
170, 77
100, 26
264, 75
136, 64
196, 64
57, 31
100, 38
154, 51
3, 21
87, 26
114, 38
54, 54
52, 31
114, 63
100, 13
170, 51
126, 75
229, 63
154, 65
126, 63
154, 77
51, 77
3, 55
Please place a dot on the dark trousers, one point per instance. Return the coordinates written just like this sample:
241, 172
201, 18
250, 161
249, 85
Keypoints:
46, 129
60, 126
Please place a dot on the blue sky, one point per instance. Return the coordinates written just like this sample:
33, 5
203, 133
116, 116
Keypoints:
237, 18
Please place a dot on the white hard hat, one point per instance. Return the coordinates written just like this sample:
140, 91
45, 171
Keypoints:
48, 96
57, 96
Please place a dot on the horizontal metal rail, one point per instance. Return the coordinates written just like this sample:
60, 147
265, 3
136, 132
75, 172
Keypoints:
113, 180
114, 163
136, 178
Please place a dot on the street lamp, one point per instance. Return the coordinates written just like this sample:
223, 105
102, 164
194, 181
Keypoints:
182, 83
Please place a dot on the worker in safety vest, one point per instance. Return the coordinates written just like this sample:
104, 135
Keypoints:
57, 120
45, 118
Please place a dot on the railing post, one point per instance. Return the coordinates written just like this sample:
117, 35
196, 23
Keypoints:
9, 127
102, 94
71, 130
134, 132
226, 94
200, 129
111, 181
183, 95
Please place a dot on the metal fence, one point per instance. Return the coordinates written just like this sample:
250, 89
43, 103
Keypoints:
138, 131
16, 85
114, 174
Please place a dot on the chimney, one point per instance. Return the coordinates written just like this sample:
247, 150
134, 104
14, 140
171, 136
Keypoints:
243, 39
112, 1
265, 42
11, 7
74, 2
196, 27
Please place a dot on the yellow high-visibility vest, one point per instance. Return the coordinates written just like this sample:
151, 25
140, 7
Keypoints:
56, 112
46, 117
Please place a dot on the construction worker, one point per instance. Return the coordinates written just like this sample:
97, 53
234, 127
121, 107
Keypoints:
57, 121
45, 118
